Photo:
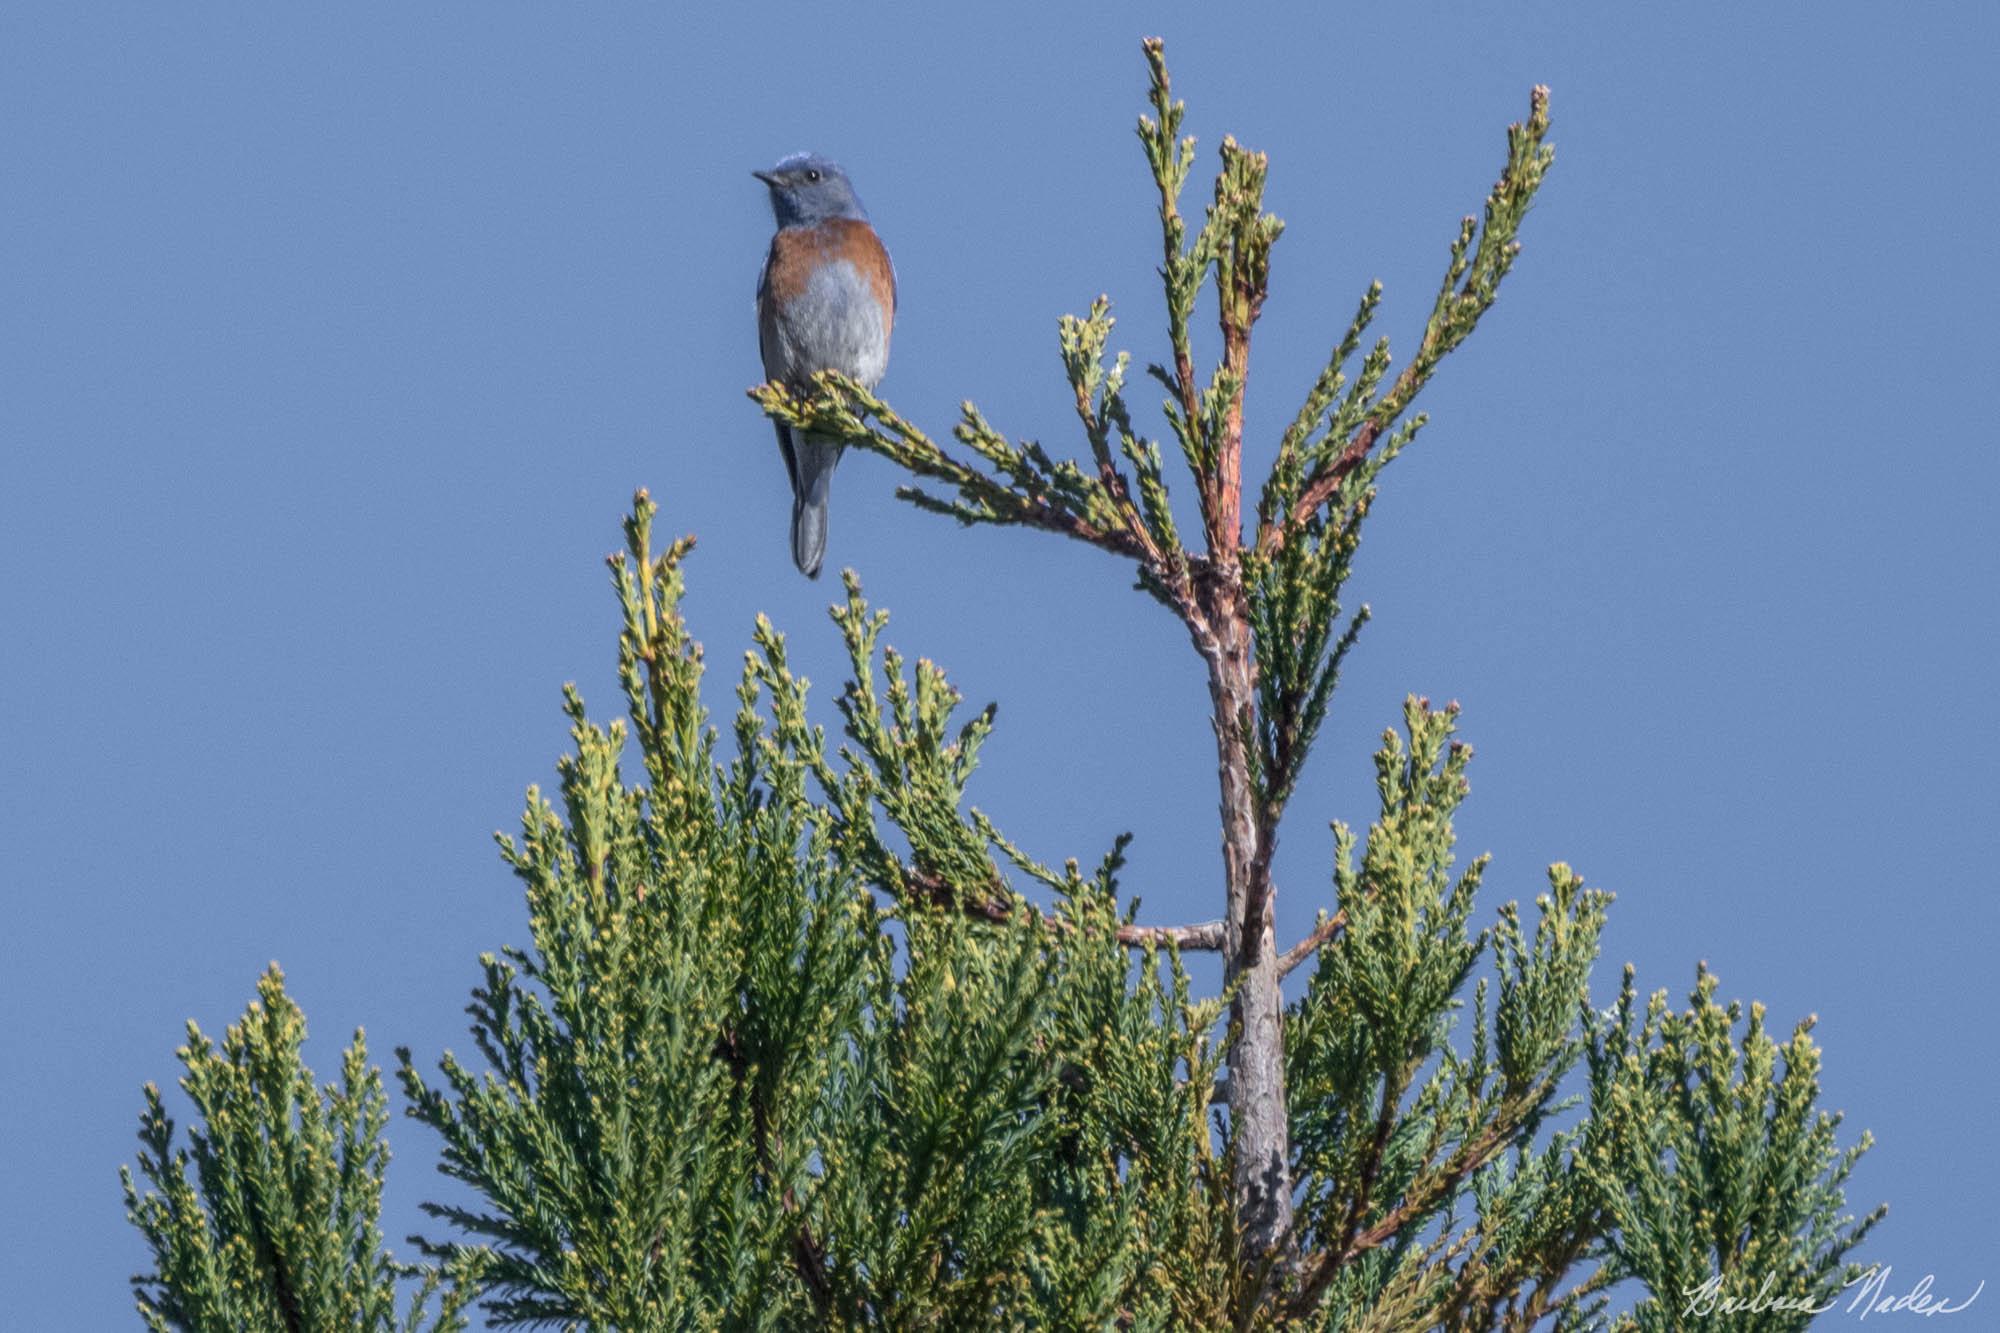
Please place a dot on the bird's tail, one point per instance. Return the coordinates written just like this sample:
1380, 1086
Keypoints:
811, 488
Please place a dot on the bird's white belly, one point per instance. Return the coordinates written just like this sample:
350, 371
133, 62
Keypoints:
835, 324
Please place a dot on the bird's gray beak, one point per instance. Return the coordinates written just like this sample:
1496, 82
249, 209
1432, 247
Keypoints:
765, 177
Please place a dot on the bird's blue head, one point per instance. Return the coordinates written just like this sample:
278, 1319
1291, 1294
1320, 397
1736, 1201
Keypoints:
807, 189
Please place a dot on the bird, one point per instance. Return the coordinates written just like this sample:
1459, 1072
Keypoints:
826, 300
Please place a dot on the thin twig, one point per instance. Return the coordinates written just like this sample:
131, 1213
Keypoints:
1312, 943
1204, 936
1325, 483
1422, 1195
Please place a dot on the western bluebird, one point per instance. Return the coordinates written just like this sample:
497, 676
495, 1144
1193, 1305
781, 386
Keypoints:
825, 301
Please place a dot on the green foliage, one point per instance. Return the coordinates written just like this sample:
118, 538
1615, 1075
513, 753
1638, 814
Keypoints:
1722, 1179
723, 1092
1393, 1123
278, 1228
688, 970
795, 1001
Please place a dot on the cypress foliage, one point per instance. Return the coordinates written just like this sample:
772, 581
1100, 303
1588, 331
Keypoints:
801, 1039
278, 1226
1720, 1175
722, 1091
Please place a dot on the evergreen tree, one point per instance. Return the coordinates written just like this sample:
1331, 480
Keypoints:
801, 1038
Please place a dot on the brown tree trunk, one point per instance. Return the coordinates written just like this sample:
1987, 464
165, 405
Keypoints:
1262, 1182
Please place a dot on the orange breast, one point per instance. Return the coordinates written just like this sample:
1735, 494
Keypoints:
797, 251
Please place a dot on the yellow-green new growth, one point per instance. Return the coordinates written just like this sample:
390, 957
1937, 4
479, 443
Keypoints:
268, 1218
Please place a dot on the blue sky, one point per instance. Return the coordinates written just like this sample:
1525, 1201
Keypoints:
332, 346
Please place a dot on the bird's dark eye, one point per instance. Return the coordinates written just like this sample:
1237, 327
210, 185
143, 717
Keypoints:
812, 176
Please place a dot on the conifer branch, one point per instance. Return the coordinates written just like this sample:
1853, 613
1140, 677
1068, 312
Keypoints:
270, 1217
1031, 490
1100, 408
1481, 257
1171, 156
